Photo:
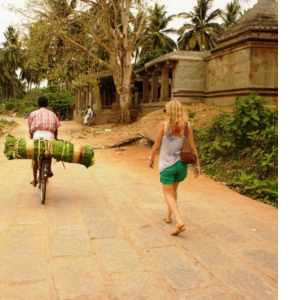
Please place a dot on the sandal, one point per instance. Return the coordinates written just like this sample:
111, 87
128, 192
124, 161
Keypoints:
165, 219
178, 228
50, 174
34, 183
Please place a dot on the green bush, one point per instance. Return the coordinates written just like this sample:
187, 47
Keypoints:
241, 148
9, 105
58, 101
2, 108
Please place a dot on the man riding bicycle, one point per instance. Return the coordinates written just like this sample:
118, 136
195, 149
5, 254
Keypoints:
42, 123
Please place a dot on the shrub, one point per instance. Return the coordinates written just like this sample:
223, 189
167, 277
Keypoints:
241, 148
58, 101
9, 105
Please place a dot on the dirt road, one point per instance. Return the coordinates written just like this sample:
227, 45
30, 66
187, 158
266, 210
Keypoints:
101, 235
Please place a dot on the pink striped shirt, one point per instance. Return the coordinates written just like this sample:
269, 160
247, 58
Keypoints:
43, 119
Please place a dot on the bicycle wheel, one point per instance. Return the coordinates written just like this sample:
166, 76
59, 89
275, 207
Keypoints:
44, 179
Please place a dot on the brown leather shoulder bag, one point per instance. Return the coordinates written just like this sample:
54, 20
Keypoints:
187, 154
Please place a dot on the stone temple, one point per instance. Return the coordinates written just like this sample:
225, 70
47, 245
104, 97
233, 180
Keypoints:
244, 61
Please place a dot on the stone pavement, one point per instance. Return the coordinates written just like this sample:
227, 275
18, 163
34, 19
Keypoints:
100, 235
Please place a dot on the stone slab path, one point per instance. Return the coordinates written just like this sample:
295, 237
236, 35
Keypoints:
100, 235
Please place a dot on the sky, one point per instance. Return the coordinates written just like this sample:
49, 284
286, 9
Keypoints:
172, 6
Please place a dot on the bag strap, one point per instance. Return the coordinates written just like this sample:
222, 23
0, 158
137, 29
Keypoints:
186, 130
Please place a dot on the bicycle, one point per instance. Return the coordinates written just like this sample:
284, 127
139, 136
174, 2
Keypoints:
43, 170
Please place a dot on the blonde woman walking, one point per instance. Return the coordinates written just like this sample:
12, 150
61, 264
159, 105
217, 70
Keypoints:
168, 144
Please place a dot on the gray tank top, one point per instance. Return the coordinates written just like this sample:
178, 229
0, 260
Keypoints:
170, 150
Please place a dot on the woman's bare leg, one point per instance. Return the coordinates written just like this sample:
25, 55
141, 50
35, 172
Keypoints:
168, 216
170, 193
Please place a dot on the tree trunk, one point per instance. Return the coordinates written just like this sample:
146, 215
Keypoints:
125, 108
13, 86
124, 89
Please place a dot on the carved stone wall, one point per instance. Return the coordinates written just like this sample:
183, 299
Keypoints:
246, 59
189, 80
238, 71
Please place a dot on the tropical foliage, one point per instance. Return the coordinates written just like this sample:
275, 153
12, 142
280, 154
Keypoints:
10, 61
241, 148
200, 33
231, 15
155, 36
58, 101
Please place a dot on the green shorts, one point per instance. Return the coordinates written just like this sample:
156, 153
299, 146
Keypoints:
175, 173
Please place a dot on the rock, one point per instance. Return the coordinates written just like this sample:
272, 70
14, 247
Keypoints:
149, 123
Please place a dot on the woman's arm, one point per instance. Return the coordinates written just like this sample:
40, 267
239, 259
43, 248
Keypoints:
157, 144
197, 170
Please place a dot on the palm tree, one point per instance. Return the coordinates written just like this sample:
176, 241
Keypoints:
4, 81
201, 33
10, 56
231, 15
155, 36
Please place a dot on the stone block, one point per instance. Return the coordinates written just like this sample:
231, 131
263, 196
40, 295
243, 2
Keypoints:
132, 217
26, 290
180, 272
31, 216
69, 240
141, 285
267, 261
117, 256
60, 215
215, 257
79, 278
22, 268
262, 79
99, 229
149, 238
246, 283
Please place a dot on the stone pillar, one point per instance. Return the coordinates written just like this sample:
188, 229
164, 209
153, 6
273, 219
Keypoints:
165, 76
154, 88
102, 97
136, 98
96, 97
145, 89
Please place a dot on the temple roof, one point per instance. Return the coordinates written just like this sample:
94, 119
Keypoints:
171, 57
263, 16
178, 55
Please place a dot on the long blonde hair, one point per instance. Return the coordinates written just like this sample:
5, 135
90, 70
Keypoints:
176, 116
